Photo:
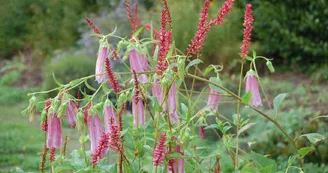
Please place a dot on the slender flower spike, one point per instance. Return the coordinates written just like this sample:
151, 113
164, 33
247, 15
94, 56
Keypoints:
139, 64
100, 66
54, 137
71, 112
112, 79
224, 10
102, 148
138, 111
95, 131
172, 104
253, 87
109, 117
114, 137
248, 21
213, 100
160, 151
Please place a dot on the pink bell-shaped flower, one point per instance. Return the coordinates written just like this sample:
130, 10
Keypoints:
95, 131
54, 137
213, 100
100, 65
139, 63
157, 91
138, 111
172, 104
177, 165
71, 112
109, 117
253, 87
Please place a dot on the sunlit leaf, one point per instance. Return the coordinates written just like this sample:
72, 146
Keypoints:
314, 137
277, 101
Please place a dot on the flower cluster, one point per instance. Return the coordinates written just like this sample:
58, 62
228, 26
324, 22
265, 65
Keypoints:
101, 149
160, 151
114, 137
112, 79
133, 18
248, 21
92, 26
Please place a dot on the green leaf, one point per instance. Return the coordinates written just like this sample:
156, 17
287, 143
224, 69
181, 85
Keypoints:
156, 52
246, 98
19, 170
249, 58
56, 81
270, 66
124, 132
218, 82
212, 126
169, 54
193, 62
208, 70
314, 137
175, 155
263, 162
137, 32
277, 101
244, 128
292, 159
304, 151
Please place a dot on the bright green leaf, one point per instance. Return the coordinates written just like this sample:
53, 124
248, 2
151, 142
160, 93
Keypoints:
246, 98
314, 137
304, 151
277, 101
193, 62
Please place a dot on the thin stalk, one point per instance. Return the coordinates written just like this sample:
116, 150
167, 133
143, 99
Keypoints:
238, 114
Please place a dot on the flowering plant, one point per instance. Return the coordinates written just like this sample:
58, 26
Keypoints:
165, 111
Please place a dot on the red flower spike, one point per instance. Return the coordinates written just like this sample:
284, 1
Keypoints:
160, 151
52, 156
43, 157
224, 10
136, 86
112, 79
168, 13
85, 113
248, 21
114, 138
92, 26
101, 149
137, 21
115, 53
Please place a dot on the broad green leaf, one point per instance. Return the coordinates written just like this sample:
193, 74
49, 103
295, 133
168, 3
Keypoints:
263, 162
244, 128
193, 62
124, 132
277, 101
212, 126
314, 137
249, 168
246, 98
304, 151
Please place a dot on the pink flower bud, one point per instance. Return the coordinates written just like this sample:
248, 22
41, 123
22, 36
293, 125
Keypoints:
139, 63
138, 111
100, 66
213, 100
253, 87
54, 136
95, 131
71, 114
202, 132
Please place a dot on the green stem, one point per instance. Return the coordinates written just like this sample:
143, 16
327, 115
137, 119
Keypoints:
238, 114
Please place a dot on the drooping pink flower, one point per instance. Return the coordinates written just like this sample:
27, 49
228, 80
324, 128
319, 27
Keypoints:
102, 148
177, 165
213, 100
138, 111
100, 65
71, 114
160, 151
95, 131
202, 132
248, 21
54, 136
157, 91
253, 87
139, 64
172, 103
109, 117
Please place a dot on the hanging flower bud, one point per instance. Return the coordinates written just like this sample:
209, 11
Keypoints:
100, 66
213, 100
172, 103
202, 132
109, 116
138, 111
54, 137
139, 63
157, 91
253, 87
160, 151
71, 112
95, 131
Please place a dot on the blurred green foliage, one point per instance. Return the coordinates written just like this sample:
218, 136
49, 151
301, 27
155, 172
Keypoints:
41, 25
292, 32
67, 68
